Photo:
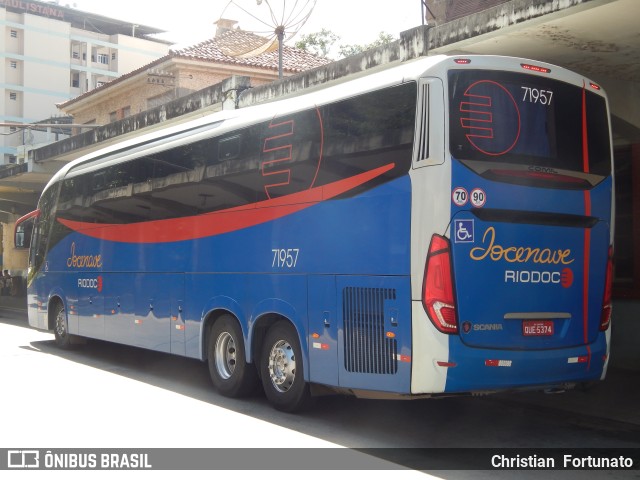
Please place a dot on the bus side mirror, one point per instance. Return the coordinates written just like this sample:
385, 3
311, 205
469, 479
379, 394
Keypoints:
24, 229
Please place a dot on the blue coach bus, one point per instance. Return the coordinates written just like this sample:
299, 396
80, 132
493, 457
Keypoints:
439, 227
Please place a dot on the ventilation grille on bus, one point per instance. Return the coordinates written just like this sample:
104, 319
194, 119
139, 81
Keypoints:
366, 346
423, 139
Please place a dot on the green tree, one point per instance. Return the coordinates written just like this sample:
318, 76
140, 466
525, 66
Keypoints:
349, 50
321, 43
318, 43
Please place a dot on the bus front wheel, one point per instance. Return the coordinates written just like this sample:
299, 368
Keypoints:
231, 375
282, 369
61, 327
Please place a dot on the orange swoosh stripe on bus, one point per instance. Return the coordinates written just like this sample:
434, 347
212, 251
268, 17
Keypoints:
222, 221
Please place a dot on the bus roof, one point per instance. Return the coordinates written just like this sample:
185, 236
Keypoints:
225, 120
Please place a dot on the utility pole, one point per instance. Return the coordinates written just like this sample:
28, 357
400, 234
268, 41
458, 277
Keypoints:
423, 7
280, 34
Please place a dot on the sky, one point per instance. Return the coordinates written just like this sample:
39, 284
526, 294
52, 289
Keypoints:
189, 22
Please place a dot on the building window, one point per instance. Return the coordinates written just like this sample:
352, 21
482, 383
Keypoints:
126, 112
75, 55
113, 116
103, 58
13, 159
13, 96
13, 64
113, 56
13, 129
14, 34
75, 80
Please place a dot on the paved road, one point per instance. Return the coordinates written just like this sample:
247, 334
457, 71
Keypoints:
110, 396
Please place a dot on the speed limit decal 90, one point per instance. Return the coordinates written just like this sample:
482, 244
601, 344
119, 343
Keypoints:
477, 198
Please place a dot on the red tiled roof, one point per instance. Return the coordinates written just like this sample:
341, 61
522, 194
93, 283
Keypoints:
237, 47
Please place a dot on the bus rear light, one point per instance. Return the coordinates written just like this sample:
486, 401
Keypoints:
535, 68
446, 364
437, 288
605, 317
462, 61
594, 86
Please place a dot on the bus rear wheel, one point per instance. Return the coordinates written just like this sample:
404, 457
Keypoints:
230, 373
282, 370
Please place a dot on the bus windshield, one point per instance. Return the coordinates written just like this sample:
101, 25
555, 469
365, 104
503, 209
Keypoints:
505, 121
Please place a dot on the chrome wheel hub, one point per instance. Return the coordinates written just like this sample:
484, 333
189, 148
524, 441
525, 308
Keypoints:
225, 355
282, 366
61, 324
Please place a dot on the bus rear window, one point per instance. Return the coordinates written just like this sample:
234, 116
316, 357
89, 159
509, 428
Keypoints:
513, 122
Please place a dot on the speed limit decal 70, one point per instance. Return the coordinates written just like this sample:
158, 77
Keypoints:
459, 196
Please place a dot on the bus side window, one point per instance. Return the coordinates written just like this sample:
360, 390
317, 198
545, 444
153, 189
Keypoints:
42, 227
229, 148
23, 231
369, 131
429, 140
232, 175
176, 175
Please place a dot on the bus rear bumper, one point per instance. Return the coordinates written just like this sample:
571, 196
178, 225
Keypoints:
483, 369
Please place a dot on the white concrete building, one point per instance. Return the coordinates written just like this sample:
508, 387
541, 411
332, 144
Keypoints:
51, 54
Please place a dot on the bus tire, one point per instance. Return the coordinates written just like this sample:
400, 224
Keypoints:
282, 369
63, 338
230, 373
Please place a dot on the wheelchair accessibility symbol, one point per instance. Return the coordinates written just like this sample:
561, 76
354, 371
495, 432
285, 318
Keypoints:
463, 231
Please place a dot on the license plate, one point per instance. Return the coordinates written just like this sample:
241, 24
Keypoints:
537, 328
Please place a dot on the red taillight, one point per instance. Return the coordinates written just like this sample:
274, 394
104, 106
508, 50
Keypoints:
605, 317
535, 68
437, 288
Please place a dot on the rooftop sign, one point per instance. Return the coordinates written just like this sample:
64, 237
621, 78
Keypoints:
35, 8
